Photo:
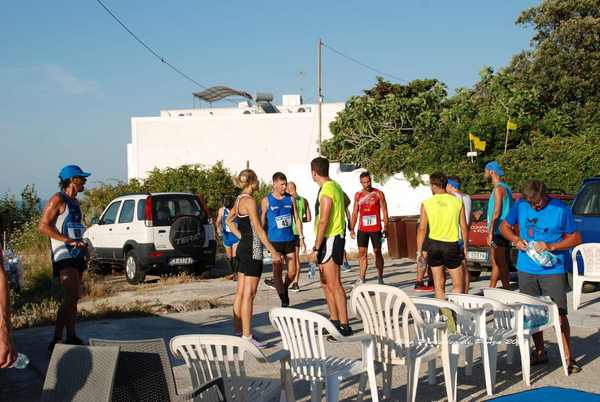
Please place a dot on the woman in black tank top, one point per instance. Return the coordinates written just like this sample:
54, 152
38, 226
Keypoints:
249, 253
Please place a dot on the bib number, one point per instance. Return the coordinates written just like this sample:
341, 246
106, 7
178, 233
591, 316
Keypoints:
283, 221
369, 220
75, 231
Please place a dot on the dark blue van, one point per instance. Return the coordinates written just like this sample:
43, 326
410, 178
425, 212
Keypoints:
586, 209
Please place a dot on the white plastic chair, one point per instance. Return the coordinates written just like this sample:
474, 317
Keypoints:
388, 315
302, 335
534, 308
590, 253
212, 356
502, 329
470, 331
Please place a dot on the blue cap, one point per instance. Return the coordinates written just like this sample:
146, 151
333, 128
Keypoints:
454, 184
495, 167
71, 171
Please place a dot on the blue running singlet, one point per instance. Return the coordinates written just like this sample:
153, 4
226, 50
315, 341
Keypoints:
280, 215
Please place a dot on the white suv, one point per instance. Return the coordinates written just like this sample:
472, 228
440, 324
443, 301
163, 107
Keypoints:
153, 232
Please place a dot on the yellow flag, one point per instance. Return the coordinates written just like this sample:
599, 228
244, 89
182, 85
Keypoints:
511, 125
478, 143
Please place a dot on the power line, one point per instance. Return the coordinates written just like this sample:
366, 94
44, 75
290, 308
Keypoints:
151, 50
363, 64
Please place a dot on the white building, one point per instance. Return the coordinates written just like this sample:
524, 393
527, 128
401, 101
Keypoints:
267, 142
241, 136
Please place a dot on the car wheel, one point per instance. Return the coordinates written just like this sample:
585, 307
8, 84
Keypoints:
134, 272
474, 275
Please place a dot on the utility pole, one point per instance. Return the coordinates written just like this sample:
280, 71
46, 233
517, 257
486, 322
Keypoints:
319, 97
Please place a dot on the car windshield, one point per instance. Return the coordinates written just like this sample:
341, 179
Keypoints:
479, 210
588, 201
165, 208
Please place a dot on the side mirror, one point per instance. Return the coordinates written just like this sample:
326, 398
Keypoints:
95, 220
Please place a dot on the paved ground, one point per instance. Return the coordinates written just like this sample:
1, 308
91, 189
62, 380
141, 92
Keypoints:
25, 385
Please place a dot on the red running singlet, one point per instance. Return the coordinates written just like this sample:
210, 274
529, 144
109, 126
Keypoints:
369, 209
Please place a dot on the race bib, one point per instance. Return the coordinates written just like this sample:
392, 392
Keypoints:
75, 231
283, 221
369, 220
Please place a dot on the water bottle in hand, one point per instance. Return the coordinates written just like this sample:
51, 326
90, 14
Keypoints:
545, 258
312, 269
21, 362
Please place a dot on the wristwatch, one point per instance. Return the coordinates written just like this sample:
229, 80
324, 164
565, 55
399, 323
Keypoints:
315, 249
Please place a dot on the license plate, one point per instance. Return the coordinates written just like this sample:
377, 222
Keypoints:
181, 261
477, 255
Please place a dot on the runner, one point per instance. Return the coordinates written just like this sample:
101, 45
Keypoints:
249, 253
328, 251
498, 208
278, 212
369, 206
443, 214
304, 214
61, 222
453, 188
230, 241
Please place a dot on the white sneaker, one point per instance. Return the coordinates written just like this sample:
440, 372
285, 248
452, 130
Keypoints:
360, 281
255, 342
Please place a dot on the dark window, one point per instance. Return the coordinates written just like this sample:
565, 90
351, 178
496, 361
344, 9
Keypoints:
141, 209
588, 201
127, 211
110, 216
165, 208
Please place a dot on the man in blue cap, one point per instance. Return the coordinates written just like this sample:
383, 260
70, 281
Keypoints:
61, 222
498, 207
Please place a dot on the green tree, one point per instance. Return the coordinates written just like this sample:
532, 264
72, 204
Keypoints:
551, 90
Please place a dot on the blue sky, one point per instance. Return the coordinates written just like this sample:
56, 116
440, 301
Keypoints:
71, 77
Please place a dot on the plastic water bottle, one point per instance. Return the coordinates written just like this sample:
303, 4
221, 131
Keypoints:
312, 270
21, 362
545, 258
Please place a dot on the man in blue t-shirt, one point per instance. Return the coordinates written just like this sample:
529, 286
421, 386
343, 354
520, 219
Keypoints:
550, 224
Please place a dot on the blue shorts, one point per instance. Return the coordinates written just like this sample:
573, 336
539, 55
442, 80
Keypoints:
229, 239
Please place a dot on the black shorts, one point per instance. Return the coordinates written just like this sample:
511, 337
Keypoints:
284, 247
500, 241
77, 263
332, 248
441, 253
251, 267
553, 286
425, 245
297, 240
362, 238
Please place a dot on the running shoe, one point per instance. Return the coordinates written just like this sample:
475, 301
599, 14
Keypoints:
360, 281
294, 287
256, 343
346, 267
421, 287
345, 330
270, 283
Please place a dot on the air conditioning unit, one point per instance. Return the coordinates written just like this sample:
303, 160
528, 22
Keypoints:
303, 109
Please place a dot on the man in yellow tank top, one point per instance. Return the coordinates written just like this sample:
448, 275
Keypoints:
443, 214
